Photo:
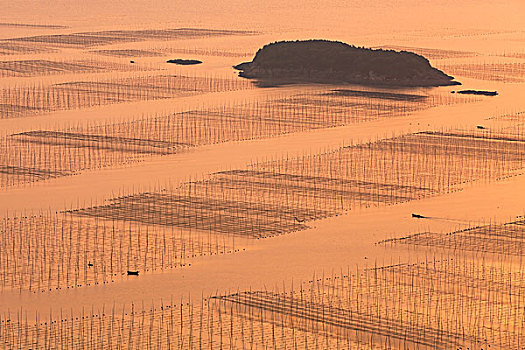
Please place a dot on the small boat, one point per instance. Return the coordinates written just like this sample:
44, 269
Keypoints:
418, 216
133, 273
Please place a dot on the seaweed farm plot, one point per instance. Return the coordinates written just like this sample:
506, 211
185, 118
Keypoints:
31, 68
277, 197
34, 100
129, 53
432, 53
40, 155
163, 51
80, 140
229, 215
11, 174
208, 52
253, 204
445, 304
504, 239
252, 120
504, 72
324, 195
345, 106
92, 39
33, 26
516, 117
519, 55
72, 150
283, 115
513, 122
417, 164
441, 304
54, 251
183, 325
12, 48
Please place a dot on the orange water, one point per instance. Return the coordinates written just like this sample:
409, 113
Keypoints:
488, 28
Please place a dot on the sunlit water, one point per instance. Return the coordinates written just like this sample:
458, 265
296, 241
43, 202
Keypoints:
489, 29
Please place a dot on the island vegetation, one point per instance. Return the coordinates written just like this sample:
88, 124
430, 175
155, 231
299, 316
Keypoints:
334, 62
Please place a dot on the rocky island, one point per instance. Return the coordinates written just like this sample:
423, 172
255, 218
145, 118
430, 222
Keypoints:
477, 92
183, 62
334, 62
